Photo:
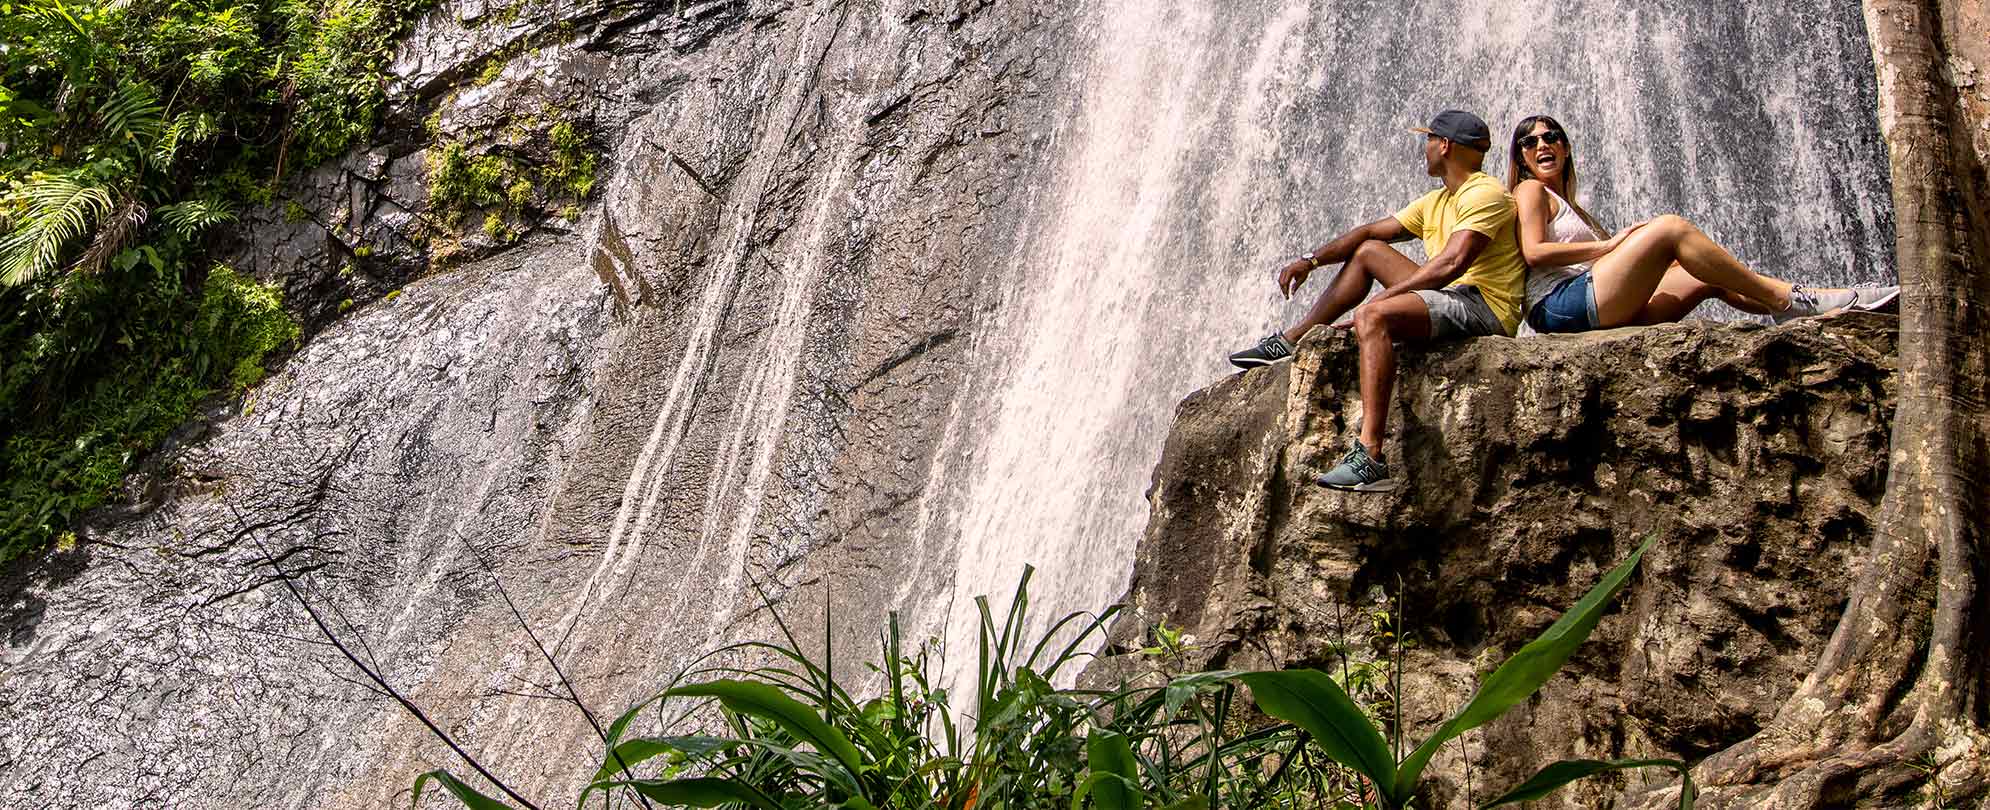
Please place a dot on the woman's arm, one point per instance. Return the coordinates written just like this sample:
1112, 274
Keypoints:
1536, 210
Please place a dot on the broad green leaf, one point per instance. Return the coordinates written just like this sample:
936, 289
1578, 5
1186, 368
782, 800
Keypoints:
1097, 782
1307, 698
699, 792
1524, 673
1109, 753
631, 752
761, 700
1553, 777
463, 793
1197, 802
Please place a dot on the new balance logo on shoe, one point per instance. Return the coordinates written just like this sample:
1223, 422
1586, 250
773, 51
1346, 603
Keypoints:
1268, 351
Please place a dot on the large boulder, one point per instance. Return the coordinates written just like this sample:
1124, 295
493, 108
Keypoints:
1755, 455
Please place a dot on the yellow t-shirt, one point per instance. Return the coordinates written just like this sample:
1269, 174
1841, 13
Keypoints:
1481, 205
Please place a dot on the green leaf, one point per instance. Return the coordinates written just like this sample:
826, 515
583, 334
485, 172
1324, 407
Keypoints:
621, 724
1197, 802
1553, 777
1524, 673
632, 752
463, 793
1181, 689
764, 701
1109, 752
1307, 698
699, 792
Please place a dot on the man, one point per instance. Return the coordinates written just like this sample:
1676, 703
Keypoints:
1468, 233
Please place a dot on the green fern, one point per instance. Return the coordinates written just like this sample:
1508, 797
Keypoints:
133, 113
191, 217
55, 210
187, 129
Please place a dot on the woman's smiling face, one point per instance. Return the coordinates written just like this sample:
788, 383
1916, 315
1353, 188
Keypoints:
1544, 159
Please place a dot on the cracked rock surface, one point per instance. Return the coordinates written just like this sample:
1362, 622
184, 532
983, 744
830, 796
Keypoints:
717, 374
1756, 456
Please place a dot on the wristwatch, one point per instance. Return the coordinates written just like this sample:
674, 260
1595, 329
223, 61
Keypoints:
1312, 263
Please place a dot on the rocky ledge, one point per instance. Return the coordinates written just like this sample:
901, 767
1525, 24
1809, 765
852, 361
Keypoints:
1756, 455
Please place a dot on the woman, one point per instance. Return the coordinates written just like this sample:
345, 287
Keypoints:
1656, 271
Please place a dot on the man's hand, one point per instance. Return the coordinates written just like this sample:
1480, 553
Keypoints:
1294, 275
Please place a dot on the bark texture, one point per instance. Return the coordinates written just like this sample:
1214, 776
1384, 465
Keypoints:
1893, 712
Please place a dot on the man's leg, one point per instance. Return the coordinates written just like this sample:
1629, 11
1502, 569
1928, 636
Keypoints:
1372, 261
1376, 328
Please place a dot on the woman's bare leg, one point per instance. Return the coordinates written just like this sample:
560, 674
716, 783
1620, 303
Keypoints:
1679, 292
1626, 278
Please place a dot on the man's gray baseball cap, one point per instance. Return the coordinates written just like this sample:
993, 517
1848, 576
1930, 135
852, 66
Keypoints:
1461, 127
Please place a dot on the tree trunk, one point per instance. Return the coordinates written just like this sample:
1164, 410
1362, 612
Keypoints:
1894, 712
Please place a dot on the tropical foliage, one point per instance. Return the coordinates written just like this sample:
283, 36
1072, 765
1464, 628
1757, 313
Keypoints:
128, 130
786, 735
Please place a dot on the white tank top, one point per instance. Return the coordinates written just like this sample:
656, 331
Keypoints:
1567, 226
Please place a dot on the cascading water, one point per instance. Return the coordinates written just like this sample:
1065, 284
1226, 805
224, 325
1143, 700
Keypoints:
1215, 141
818, 387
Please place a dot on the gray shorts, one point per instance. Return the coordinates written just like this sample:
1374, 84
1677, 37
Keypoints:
1460, 311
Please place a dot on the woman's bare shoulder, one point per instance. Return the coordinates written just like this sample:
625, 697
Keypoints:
1532, 194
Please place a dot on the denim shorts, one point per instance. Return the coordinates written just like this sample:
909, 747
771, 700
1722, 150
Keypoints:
1460, 311
1570, 307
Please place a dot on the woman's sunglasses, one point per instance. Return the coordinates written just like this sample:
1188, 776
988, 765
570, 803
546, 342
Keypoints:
1550, 138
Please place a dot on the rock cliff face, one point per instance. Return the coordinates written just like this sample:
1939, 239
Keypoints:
1755, 455
724, 369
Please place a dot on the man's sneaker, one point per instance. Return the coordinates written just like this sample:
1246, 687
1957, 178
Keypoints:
1359, 472
1268, 351
1808, 301
1877, 299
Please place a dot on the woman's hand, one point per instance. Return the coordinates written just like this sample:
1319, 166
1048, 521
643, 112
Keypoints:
1618, 239
1293, 275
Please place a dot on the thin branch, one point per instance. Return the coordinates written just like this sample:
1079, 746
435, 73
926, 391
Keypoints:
572, 693
319, 620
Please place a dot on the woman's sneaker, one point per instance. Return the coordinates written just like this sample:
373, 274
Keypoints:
1359, 472
1806, 302
1268, 351
1877, 299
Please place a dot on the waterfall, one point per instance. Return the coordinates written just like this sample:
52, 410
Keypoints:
1213, 142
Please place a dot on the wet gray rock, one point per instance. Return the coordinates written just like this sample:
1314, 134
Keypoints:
1756, 457
720, 374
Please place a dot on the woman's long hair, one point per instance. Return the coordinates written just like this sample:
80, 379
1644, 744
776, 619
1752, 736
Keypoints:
1518, 170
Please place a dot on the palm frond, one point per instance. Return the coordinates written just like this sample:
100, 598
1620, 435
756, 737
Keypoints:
53, 17
55, 210
190, 217
114, 234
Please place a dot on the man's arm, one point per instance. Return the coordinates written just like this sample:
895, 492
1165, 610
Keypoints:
1446, 267
1386, 229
